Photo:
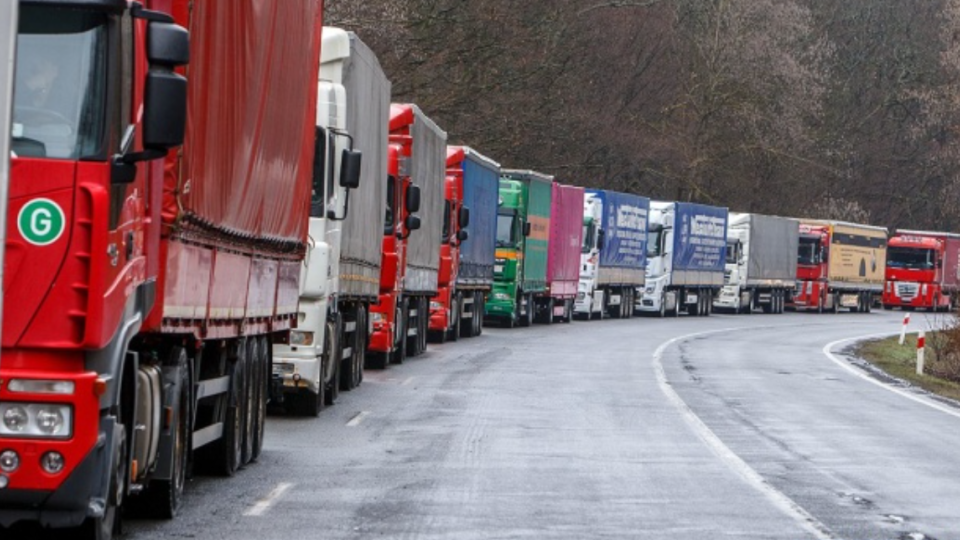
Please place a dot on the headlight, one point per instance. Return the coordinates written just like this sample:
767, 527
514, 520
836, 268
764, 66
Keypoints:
41, 420
501, 296
9, 461
35, 386
376, 317
301, 338
436, 305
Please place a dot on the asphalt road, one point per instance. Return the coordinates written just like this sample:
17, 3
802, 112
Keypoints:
640, 428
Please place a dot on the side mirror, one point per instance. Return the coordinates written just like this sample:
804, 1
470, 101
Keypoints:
164, 110
350, 169
165, 92
601, 239
527, 228
413, 199
463, 234
412, 223
464, 217
168, 44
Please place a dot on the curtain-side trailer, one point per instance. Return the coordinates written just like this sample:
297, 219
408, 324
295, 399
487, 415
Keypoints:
761, 263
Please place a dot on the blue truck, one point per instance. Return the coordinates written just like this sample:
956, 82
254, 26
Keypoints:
686, 258
613, 256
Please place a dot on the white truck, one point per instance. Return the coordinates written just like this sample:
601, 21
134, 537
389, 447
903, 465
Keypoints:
614, 254
686, 248
761, 269
341, 274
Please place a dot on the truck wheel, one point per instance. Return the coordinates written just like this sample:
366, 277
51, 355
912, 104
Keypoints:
332, 347
232, 447
399, 353
260, 410
479, 311
162, 498
526, 319
547, 317
249, 398
106, 526
663, 306
836, 304
454, 333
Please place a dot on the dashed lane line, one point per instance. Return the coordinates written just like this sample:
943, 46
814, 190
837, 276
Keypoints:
357, 418
264, 504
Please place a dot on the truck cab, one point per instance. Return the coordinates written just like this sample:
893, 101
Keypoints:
918, 274
734, 274
656, 297
590, 299
307, 368
512, 231
445, 307
812, 268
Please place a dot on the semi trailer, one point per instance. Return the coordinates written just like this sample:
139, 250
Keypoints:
761, 264
145, 285
563, 255
523, 234
614, 254
416, 165
839, 265
923, 271
686, 252
340, 276
468, 245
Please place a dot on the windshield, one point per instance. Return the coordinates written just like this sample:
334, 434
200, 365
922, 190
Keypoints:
808, 251
912, 258
446, 222
506, 230
732, 253
653, 242
59, 93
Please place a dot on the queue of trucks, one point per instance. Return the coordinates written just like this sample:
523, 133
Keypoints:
222, 227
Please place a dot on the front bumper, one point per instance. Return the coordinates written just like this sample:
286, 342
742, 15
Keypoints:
294, 373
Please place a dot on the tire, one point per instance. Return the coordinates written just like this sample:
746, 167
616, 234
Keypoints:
230, 446
162, 499
249, 398
455, 329
260, 418
663, 306
108, 526
351, 369
526, 319
548, 311
399, 353
479, 310
836, 304
334, 331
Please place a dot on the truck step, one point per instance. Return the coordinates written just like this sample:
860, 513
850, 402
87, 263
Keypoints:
213, 387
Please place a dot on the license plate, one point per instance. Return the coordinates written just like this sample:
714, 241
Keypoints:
498, 268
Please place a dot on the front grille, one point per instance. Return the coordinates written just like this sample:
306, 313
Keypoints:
908, 291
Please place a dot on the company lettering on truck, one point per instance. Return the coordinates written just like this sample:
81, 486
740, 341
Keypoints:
706, 239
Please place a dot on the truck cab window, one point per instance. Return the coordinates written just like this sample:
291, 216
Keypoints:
320, 161
589, 237
506, 230
654, 241
446, 221
60, 92
733, 255
808, 251
388, 226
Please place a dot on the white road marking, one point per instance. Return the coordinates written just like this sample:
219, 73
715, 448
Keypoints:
780, 500
827, 350
355, 421
264, 504
407, 381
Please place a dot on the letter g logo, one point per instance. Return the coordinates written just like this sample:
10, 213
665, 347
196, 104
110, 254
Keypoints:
41, 222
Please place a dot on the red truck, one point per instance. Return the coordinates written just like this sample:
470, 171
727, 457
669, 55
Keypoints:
468, 245
144, 287
923, 271
416, 164
563, 255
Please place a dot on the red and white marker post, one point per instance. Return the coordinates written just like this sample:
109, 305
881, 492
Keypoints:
921, 343
903, 330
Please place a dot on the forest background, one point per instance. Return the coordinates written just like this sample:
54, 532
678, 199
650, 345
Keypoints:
842, 109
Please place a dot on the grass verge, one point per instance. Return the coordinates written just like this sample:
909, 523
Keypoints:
901, 362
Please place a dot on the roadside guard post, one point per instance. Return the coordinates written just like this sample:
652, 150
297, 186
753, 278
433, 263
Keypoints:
921, 342
903, 330
8, 48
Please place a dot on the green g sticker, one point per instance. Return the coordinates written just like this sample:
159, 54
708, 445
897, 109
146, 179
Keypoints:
41, 222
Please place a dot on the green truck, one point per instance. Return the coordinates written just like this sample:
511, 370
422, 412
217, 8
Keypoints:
523, 231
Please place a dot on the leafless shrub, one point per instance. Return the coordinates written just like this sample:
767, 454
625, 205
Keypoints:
944, 344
